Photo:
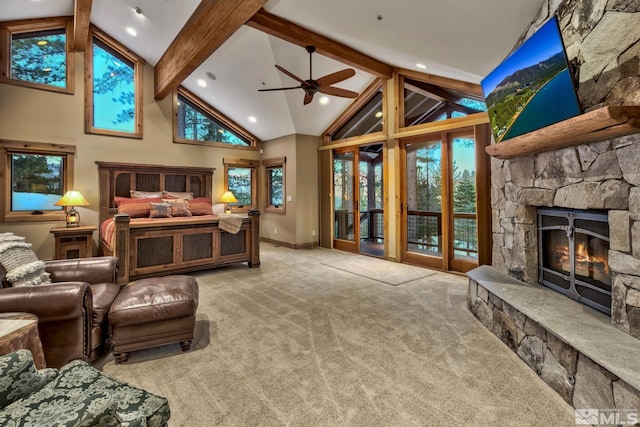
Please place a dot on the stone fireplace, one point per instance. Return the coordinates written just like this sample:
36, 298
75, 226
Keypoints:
601, 176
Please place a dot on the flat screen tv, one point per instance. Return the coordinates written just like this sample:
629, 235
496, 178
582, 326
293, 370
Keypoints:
533, 87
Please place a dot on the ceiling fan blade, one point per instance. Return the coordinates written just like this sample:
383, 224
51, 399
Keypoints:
307, 97
336, 91
279, 88
336, 77
290, 74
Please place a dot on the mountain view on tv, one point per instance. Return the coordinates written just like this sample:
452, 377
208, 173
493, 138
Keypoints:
532, 88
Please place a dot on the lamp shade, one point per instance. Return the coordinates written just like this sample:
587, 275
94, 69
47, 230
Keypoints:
228, 197
72, 198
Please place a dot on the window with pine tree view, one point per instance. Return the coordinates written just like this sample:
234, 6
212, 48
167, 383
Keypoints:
114, 91
275, 187
196, 125
37, 182
40, 57
239, 182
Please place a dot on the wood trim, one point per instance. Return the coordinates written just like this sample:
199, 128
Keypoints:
298, 35
356, 105
240, 162
443, 126
274, 161
597, 125
81, 23
210, 25
243, 163
355, 141
466, 87
138, 64
482, 136
40, 147
296, 246
208, 109
31, 25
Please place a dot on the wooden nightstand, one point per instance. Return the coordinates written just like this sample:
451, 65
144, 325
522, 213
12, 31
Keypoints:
73, 242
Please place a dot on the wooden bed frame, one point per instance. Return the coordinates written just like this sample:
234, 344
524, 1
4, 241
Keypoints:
170, 246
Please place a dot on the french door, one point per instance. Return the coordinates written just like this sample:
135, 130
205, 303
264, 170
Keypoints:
358, 199
439, 212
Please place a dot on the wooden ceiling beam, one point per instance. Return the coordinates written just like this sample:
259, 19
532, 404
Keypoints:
294, 33
210, 25
81, 21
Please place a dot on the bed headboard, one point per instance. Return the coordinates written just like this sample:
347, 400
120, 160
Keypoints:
118, 179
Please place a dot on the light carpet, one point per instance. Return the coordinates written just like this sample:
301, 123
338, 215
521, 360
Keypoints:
380, 270
296, 342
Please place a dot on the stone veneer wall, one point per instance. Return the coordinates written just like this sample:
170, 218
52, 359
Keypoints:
579, 380
603, 38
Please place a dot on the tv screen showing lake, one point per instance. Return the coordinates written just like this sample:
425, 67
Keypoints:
554, 102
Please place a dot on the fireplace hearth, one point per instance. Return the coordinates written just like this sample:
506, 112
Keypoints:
573, 255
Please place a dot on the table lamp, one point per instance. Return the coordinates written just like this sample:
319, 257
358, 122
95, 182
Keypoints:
227, 198
72, 199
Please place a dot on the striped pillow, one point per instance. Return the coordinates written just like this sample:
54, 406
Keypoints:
136, 208
201, 206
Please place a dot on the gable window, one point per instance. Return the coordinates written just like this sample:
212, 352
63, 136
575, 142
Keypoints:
240, 179
426, 103
275, 184
196, 122
37, 177
113, 87
35, 53
365, 120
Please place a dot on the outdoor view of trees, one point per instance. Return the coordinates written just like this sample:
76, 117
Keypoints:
239, 180
113, 90
40, 57
37, 182
196, 125
276, 186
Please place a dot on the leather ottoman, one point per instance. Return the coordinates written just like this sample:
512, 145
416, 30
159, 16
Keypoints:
152, 312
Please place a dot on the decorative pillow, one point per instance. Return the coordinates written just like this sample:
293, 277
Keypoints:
179, 207
218, 208
20, 376
201, 206
160, 210
178, 195
22, 266
136, 208
145, 194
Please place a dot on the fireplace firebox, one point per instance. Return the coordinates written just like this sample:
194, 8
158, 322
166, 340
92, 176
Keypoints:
573, 249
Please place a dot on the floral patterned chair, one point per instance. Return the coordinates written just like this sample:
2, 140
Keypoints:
75, 395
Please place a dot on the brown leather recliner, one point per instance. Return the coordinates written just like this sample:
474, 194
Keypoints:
73, 310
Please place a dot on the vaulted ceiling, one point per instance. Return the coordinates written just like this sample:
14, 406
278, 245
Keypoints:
459, 39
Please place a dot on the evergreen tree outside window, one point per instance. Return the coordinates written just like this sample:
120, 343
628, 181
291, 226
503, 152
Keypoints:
37, 176
114, 86
196, 122
240, 179
275, 184
36, 54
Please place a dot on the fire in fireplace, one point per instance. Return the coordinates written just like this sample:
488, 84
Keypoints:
573, 255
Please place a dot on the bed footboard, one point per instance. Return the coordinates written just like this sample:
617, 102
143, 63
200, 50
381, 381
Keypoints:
160, 250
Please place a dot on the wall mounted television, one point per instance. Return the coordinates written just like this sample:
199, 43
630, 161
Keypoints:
533, 87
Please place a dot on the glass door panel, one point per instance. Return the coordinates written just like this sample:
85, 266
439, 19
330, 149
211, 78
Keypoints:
423, 221
345, 202
465, 236
371, 200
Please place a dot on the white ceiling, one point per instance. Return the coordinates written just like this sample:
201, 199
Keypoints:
460, 39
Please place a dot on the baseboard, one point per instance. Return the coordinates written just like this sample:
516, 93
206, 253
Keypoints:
308, 245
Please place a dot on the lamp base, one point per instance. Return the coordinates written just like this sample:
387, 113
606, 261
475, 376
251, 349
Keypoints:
73, 218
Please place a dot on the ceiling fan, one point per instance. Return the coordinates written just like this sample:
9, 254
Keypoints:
322, 85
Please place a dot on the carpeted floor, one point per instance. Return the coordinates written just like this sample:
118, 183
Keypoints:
296, 342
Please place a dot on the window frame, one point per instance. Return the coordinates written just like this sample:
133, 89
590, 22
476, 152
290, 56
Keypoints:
275, 163
138, 64
247, 164
9, 28
215, 114
9, 148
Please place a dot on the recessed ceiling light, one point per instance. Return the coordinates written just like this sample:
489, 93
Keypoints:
421, 66
379, 114
42, 42
252, 119
132, 31
139, 11
202, 83
324, 100
211, 75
